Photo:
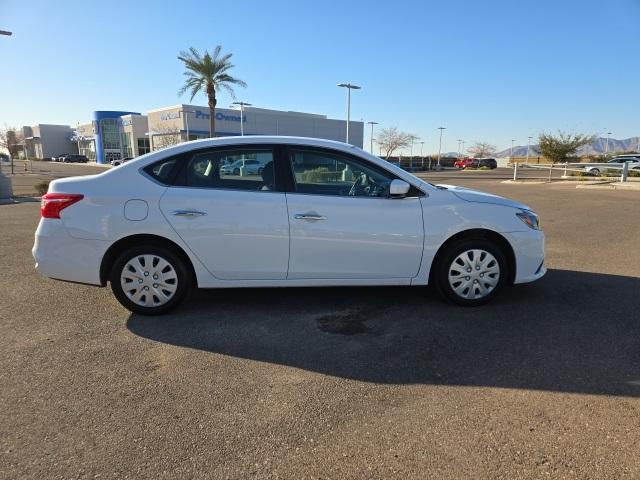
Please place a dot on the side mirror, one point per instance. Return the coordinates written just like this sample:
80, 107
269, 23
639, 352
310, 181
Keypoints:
399, 188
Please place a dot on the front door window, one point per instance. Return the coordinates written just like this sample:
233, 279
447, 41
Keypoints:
318, 172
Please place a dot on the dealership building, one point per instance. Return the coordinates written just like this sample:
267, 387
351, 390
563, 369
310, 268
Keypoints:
170, 125
45, 140
112, 135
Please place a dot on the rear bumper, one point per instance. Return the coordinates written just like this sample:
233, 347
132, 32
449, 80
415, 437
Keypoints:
528, 248
59, 255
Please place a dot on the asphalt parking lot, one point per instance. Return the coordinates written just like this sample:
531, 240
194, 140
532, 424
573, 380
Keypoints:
335, 382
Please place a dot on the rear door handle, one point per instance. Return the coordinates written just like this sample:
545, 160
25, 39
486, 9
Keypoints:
309, 216
188, 213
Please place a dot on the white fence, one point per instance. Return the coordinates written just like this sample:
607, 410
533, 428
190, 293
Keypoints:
574, 167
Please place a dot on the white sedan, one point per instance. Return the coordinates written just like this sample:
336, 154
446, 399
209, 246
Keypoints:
321, 213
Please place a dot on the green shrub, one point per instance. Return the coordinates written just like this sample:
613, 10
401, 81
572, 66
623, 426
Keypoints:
42, 187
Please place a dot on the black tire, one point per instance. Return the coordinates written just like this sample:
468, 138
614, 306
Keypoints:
595, 172
236, 171
182, 271
440, 272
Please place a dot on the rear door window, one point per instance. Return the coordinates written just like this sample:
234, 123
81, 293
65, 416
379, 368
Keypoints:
238, 169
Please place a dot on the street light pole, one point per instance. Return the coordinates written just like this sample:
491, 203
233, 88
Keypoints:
349, 87
511, 153
242, 105
606, 148
186, 118
528, 147
371, 141
413, 139
459, 143
440, 146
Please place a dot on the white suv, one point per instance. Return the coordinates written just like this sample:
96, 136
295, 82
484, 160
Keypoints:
321, 213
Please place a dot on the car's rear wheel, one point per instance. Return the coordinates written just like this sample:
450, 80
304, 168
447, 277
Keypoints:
471, 272
595, 172
150, 279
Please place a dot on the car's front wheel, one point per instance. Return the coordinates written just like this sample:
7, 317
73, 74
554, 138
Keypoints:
150, 279
471, 271
595, 172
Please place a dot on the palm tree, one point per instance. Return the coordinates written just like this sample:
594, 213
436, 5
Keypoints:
208, 73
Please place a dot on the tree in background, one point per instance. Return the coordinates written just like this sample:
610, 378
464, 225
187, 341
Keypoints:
164, 137
10, 140
482, 149
559, 148
391, 139
208, 73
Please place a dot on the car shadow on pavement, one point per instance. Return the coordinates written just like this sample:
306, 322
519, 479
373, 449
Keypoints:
570, 332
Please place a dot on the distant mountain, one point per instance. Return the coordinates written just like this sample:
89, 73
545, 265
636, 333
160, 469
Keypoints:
597, 147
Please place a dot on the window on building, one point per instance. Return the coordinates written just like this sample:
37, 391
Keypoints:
127, 150
87, 148
110, 134
143, 146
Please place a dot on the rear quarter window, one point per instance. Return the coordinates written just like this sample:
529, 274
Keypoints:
163, 170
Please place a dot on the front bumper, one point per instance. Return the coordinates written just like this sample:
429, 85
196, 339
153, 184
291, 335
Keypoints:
59, 255
528, 248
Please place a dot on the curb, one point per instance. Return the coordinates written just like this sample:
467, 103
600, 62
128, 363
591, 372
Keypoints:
611, 186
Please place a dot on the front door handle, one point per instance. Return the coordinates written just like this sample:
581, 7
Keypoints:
189, 213
309, 216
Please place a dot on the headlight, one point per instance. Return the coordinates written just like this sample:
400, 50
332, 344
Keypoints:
530, 218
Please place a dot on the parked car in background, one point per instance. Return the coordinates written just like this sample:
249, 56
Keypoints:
476, 163
251, 167
633, 159
484, 163
4, 158
75, 158
115, 163
322, 213
463, 162
60, 157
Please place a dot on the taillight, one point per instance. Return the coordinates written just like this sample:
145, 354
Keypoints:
53, 203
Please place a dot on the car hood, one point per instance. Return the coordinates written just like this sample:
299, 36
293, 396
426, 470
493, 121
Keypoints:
476, 196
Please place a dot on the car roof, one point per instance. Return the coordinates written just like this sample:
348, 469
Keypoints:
234, 141
260, 139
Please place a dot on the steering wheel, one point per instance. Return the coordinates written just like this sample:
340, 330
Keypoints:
353, 191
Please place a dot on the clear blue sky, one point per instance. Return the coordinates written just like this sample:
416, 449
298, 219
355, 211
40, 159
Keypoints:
487, 70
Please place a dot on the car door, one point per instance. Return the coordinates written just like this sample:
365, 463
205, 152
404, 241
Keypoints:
343, 223
236, 225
